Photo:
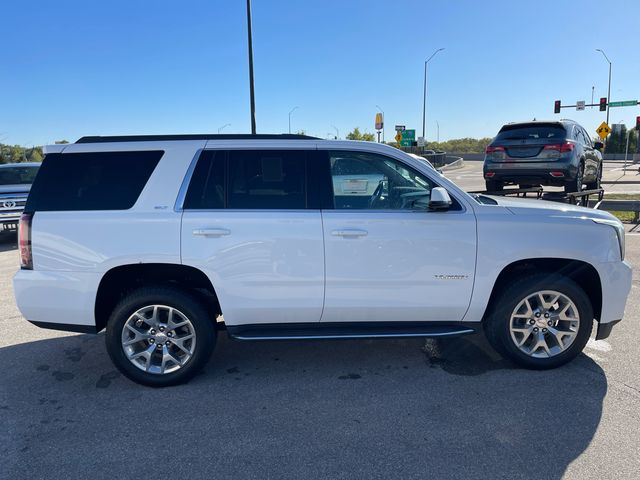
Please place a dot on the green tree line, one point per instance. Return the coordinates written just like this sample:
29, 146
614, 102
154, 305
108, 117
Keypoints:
17, 154
617, 141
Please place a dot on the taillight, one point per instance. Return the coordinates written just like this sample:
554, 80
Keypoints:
560, 147
24, 241
495, 153
491, 149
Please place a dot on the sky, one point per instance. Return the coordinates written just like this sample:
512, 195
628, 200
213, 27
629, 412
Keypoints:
74, 68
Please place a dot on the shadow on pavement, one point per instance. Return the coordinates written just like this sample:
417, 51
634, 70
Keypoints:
342, 409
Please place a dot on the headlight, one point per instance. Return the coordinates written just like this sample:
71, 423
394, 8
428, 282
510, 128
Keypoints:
617, 224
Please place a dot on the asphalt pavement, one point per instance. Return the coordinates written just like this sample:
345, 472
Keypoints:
342, 409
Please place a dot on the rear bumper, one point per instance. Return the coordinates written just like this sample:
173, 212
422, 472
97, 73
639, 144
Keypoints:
58, 300
533, 173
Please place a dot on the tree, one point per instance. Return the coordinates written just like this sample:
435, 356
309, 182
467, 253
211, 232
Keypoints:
357, 135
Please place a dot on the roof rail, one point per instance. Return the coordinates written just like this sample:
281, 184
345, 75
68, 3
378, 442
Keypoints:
205, 136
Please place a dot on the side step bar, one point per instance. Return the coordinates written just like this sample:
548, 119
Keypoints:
350, 330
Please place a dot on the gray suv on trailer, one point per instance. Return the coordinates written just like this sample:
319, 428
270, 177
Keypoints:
543, 153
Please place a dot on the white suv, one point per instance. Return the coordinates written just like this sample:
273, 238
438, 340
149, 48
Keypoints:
165, 240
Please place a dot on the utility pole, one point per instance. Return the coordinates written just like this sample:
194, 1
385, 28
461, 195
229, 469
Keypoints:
609, 89
424, 95
251, 89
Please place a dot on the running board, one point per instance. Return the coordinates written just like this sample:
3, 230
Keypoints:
350, 330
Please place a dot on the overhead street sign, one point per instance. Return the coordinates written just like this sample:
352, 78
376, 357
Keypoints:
603, 130
625, 103
408, 137
400, 128
580, 105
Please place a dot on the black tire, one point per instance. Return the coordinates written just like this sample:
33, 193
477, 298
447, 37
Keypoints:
595, 185
496, 323
203, 326
494, 185
575, 185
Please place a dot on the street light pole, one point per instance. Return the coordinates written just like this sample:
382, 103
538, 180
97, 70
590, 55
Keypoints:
609, 89
383, 121
292, 110
223, 127
424, 95
438, 124
251, 89
337, 132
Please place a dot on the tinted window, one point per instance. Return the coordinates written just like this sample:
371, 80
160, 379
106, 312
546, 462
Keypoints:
17, 175
249, 179
380, 183
91, 181
532, 132
206, 190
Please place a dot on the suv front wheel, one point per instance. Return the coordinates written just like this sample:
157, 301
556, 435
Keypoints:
541, 321
160, 336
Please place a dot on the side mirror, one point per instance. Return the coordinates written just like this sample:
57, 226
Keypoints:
440, 199
598, 145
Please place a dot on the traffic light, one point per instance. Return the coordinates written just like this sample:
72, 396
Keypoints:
638, 124
603, 104
556, 107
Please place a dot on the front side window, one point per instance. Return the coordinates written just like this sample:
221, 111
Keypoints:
375, 182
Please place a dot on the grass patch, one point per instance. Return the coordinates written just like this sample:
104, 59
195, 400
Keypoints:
623, 216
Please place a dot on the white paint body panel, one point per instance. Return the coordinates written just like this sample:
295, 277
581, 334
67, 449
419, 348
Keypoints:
396, 271
269, 268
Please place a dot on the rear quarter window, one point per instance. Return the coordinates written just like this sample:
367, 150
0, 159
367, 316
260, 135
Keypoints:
91, 181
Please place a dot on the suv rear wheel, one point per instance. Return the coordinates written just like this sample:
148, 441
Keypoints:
541, 321
595, 185
575, 185
160, 336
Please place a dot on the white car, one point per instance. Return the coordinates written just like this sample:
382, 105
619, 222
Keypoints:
166, 240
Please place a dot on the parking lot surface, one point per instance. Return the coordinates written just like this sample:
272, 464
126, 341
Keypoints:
346, 409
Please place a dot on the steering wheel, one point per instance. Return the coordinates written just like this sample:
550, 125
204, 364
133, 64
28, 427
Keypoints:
375, 198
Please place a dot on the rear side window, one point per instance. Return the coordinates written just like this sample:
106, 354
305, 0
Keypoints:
249, 179
91, 181
532, 132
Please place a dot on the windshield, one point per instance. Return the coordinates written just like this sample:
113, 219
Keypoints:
17, 175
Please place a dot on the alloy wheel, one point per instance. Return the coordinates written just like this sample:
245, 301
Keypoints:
158, 339
544, 324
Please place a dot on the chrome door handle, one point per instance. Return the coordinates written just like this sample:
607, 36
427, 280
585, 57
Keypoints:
211, 232
349, 232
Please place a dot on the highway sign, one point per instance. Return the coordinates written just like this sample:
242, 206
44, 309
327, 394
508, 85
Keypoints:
421, 141
408, 137
603, 130
580, 105
400, 128
379, 121
625, 103
398, 137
